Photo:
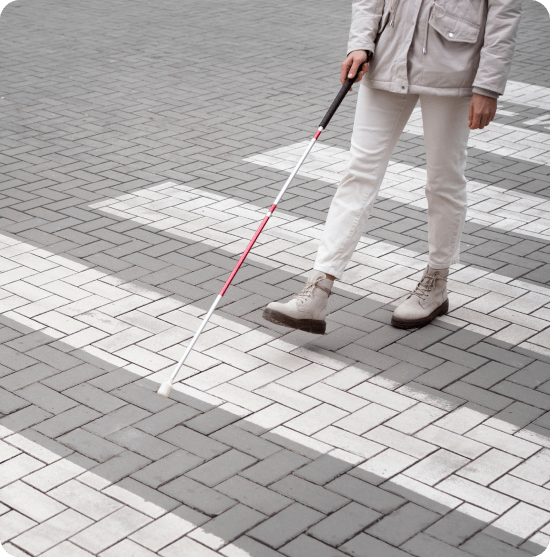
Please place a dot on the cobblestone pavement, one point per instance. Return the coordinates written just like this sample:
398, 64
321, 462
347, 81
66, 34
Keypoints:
140, 145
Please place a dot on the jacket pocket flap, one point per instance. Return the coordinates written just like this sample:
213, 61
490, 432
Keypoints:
453, 28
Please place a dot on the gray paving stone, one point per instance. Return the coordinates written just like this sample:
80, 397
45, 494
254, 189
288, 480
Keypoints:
142, 443
365, 494
402, 524
221, 467
285, 525
479, 396
90, 445
459, 525
24, 418
344, 524
75, 274
227, 526
142, 397
309, 494
114, 469
194, 442
167, 468
456, 355
116, 420
326, 468
10, 403
198, 496
253, 495
304, 545
45, 398
423, 545
245, 442
275, 467
166, 419
364, 545
486, 546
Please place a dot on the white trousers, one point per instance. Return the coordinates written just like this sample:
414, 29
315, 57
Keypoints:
380, 118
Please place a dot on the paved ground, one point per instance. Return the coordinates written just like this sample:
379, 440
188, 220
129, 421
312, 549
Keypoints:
141, 144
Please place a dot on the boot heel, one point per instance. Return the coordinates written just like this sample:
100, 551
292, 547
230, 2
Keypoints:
316, 327
444, 308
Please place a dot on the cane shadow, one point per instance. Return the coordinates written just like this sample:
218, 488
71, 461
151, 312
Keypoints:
222, 476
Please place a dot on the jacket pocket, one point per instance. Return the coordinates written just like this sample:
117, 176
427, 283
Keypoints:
452, 27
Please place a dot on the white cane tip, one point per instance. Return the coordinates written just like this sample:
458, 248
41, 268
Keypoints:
165, 389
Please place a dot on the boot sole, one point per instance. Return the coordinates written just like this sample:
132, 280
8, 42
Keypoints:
308, 325
415, 323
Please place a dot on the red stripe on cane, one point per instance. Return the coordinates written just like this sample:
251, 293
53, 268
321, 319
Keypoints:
317, 134
243, 256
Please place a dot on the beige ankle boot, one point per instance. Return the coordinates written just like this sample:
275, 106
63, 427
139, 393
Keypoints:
427, 301
307, 310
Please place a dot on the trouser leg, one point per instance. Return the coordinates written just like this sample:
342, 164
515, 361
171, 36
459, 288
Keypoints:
446, 132
379, 121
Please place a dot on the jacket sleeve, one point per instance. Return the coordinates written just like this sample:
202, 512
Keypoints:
365, 19
501, 29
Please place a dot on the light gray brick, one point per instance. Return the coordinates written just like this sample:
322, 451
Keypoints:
52, 532
12, 524
328, 466
141, 497
113, 469
217, 418
141, 443
169, 528
227, 526
30, 502
110, 530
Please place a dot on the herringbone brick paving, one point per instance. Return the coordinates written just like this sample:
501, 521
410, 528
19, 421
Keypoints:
140, 146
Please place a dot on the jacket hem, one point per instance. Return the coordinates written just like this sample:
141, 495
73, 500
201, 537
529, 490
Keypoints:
414, 89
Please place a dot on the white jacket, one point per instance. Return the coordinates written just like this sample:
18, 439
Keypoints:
440, 47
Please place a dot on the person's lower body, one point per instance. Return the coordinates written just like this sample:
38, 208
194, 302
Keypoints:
379, 121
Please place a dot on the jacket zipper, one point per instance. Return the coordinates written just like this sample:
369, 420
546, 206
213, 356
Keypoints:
425, 48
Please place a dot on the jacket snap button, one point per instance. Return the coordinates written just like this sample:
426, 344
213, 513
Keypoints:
451, 34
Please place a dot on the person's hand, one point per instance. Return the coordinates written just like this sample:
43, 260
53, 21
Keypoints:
482, 111
354, 64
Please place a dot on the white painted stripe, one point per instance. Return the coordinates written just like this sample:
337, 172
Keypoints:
489, 205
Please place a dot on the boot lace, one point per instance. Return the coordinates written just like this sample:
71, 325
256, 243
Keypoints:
426, 285
308, 289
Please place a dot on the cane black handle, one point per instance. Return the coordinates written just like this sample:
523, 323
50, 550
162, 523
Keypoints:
337, 101
340, 96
